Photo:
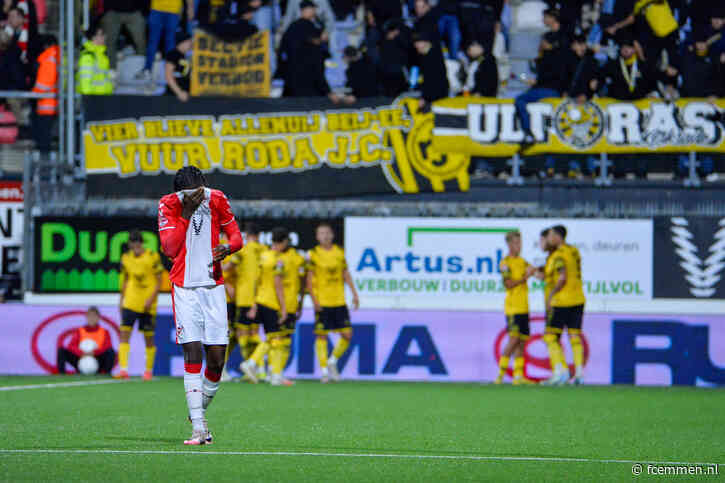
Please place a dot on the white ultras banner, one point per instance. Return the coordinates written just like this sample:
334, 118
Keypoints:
451, 263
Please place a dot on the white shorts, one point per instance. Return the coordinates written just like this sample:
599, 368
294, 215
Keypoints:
200, 314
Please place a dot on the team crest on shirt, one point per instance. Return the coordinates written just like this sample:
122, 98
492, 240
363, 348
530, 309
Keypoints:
179, 331
579, 125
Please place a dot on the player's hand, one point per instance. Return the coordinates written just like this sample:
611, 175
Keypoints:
548, 306
183, 96
530, 271
317, 306
252, 312
355, 302
147, 305
191, 203
283, 315
221, 252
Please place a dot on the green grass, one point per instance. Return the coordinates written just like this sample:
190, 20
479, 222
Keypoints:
459, 420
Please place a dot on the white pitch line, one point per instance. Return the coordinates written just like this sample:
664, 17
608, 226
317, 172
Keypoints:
61, 384
546, 459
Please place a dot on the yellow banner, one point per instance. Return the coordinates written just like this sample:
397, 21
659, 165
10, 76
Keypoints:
395, 137
238, 69
491, 127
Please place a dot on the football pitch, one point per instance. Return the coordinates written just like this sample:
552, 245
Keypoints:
97, 429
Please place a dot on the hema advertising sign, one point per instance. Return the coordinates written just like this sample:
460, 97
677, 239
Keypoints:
456, 260
418, 345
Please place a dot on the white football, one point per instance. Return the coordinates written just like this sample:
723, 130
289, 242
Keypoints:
87, 346
88, 365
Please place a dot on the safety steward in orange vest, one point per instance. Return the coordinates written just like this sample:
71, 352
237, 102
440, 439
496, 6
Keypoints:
46, 82
103, 352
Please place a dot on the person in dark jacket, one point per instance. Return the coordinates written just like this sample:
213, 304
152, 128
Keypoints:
301, 48
582, 71
395, 52
482, 76
361, 74
628, 77
549, 82
478, 20
432, 68
701, 70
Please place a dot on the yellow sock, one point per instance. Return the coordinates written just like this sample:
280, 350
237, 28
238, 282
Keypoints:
243, 342
275, 356
577, 349
340, 347
556, 355
321, 349
518, 367
259, 353
124, 349
254, 339
503, 364
286, 345
150, 356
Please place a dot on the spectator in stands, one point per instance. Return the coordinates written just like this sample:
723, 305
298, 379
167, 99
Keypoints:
178, 68
46, 82
449, 27
234, 22
361, 74
478, 21
103, 352
569, 13
395, 49
163, 20
482, 74
426, 20
379, 13
16, 27
558, 37
714, 32
432, 68
702, 71
582, 72
629, 77
661, 33
11, 66
123, 13
94, 72
301, 47
549, 80
324, 13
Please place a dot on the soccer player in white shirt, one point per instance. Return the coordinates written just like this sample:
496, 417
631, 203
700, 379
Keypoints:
190, 222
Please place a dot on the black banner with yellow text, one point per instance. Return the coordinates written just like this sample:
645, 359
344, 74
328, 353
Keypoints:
265, 148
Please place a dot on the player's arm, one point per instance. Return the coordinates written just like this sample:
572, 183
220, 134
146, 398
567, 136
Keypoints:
279, 290
229, 227
158, 270
303, 287
124, 282
172, 227
508, 281
348, 280
252, 312
560, 282
310, 283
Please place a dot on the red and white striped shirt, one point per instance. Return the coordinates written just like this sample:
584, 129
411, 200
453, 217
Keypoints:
190, 243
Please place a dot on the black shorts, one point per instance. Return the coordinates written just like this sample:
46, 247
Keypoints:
231, 313
288, 325
518, 326
565, 317
242, 319
332, 319
146, 322
269, 319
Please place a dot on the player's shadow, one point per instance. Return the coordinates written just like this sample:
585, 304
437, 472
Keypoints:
142, 439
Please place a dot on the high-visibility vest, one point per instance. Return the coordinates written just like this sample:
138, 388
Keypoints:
47, 81
97, 335
94, 72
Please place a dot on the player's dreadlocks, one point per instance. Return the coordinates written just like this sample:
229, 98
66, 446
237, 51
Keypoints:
188, 177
